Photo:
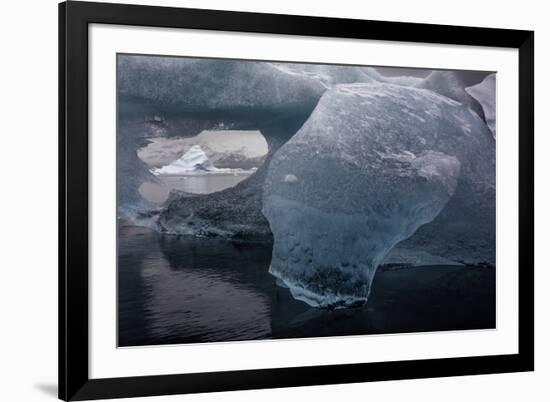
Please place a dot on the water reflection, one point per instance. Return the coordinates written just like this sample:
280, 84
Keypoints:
204, 304
178, 289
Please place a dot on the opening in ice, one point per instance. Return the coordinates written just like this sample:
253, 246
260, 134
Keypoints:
209, 162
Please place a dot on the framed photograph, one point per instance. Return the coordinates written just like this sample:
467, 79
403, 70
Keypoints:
257, 201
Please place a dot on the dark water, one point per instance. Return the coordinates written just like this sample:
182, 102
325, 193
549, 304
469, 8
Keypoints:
175, 289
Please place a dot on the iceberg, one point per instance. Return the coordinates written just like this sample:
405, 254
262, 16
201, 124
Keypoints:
447, 83
180, 97
194, 160
485, 93
372, 165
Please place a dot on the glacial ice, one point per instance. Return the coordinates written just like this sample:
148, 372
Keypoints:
485, 93
406, 81
373, 164
447, 83
179, 97
199, 85
131, 171
329, 75
194, 160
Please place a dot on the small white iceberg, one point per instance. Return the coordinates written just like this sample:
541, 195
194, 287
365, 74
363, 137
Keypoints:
193, 161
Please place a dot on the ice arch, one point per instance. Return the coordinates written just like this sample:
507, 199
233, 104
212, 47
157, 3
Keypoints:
210, 162
174, 97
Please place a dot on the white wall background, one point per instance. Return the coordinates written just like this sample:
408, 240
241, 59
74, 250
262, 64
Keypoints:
28, 199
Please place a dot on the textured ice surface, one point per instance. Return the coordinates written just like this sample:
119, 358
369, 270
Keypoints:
372, 164
404, 80
329, 75
131, 171
215, 84
485, 93
448, 83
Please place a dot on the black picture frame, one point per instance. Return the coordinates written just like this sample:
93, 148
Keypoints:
74, 381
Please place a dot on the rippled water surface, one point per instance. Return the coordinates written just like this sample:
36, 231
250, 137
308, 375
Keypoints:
178, 289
